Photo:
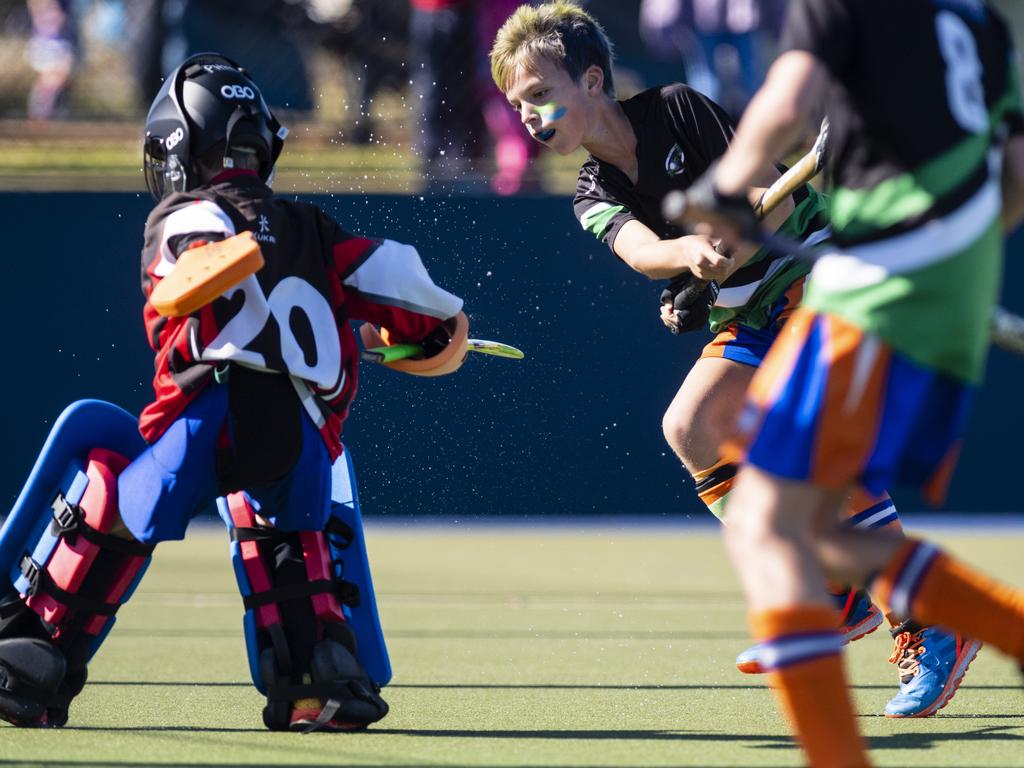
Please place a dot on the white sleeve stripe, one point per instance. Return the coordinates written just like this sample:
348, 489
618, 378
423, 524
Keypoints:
361, 260
201, 216
435, 311
395, 276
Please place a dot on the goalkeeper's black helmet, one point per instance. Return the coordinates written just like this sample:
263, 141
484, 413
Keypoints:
208, 103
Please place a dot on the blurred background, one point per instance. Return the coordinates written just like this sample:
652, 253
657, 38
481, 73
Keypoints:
397, 132
376, 91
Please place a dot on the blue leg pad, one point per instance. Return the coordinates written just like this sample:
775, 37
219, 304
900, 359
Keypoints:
352, 565
364, 619
245, 588
73, 486
84, 425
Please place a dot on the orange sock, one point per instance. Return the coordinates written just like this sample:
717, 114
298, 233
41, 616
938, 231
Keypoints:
925, 583
801, 653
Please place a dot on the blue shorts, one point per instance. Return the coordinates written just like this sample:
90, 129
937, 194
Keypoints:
833, 405
743, 344
175, 479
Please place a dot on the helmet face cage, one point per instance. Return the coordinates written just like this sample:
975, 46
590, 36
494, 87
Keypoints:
208, 101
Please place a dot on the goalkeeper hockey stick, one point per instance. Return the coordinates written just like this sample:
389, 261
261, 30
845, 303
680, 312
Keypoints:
403, 351
800, 173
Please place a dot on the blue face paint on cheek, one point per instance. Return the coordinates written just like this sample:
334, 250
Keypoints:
551, 112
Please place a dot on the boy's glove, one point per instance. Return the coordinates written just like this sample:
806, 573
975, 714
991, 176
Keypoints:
685, 305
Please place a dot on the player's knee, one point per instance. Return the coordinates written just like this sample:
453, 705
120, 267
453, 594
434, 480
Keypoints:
675, 426
689, 433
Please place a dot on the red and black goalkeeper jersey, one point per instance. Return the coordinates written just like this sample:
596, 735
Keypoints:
293, 315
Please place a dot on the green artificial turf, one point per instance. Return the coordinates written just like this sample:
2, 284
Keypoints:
511, 647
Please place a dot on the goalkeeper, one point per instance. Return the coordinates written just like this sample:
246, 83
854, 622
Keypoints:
250, 395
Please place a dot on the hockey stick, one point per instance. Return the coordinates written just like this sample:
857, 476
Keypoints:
402, 351
801, 172
1007, 329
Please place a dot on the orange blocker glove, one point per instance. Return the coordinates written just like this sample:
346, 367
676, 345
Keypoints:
444, 350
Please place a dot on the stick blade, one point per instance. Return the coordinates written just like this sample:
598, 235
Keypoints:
202, 274
1008, 331
495, 348
822, 145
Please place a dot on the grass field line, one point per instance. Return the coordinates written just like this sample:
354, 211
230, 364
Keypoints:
637, 526
541, 600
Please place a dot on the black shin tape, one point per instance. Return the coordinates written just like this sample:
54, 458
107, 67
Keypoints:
718, 476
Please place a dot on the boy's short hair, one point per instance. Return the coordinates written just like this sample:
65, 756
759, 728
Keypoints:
559, 31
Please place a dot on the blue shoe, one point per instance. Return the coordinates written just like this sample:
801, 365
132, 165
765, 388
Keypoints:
749, 661
932, 663
859, 618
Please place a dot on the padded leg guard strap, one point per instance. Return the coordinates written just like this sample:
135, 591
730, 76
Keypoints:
78, 574
75, 574
67, 573
275, 570
294, 605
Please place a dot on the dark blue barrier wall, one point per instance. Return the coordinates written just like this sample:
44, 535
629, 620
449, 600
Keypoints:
573, 429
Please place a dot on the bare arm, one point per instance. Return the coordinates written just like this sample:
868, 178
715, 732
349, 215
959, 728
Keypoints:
661, 259
649, 255
1013, 183
777, 118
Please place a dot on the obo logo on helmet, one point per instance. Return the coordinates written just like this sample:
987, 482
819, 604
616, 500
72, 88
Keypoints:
237, 92
174, 138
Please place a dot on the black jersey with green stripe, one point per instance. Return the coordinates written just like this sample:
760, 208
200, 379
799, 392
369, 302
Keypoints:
926, 94
680, 132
